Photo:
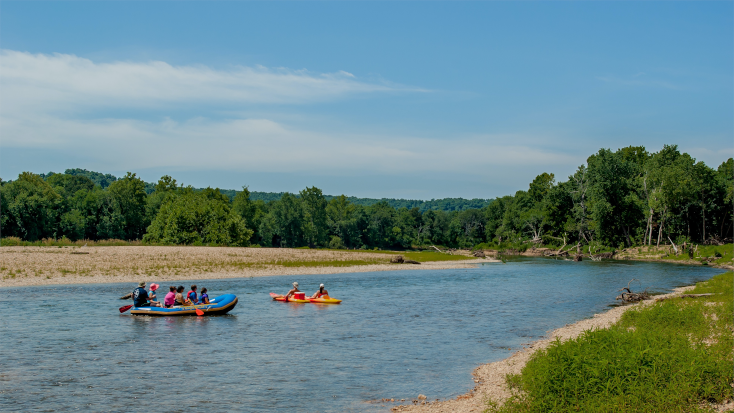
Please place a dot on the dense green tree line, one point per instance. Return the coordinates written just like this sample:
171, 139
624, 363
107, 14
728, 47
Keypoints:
623, 198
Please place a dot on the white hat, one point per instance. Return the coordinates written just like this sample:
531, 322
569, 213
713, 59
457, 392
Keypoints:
295, 284
321, 285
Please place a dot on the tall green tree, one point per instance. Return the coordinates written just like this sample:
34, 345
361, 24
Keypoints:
126, 211
30, 208
315, 227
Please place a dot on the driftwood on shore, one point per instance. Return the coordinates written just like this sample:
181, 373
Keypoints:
628, 296
399, 259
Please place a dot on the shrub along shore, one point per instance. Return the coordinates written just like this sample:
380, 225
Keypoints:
670, 354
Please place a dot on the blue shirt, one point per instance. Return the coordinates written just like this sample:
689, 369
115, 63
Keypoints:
140, 297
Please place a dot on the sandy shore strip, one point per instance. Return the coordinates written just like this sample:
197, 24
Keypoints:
490, 378
26, 266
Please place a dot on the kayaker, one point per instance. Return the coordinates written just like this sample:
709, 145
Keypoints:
191, 295
292, 291
153, 297
140, 296
170, 299
204, 299
322, 291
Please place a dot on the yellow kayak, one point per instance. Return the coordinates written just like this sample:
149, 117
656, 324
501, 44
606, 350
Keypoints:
325, 299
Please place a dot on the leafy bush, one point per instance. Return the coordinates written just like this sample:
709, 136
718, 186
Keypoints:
336, 243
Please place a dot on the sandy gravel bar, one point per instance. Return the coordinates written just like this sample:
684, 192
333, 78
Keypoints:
490, 378
21, 266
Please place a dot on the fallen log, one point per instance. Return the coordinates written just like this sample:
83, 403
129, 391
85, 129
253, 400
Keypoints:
398, 259
629, 296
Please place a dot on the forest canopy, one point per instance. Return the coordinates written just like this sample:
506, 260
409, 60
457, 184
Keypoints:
616, 199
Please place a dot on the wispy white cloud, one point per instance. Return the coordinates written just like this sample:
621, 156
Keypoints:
266, 146
49, 103
68, 83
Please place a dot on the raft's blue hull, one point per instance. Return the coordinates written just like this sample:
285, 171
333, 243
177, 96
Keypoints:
219, 305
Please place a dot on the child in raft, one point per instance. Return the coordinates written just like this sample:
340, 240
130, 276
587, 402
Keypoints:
321, 292
204, 299
152, 297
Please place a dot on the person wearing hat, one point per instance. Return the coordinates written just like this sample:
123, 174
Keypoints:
152, 296
321, 292
140, 296
292, 291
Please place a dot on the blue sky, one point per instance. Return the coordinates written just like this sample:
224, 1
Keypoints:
377, 99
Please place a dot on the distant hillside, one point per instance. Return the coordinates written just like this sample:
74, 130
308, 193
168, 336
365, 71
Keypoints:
445, 204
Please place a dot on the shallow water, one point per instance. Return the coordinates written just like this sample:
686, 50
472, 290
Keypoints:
397, 334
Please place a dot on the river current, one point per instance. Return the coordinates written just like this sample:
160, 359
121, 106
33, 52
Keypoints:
397, 334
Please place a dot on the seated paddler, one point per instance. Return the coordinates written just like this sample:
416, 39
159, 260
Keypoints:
292, 291
191, 295
140, 296
321, 292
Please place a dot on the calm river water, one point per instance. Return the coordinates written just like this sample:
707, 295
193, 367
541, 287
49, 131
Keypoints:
397, 334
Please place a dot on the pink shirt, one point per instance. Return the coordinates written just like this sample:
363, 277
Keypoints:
170, 298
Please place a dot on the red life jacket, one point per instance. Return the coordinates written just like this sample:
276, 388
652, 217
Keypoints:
188, 295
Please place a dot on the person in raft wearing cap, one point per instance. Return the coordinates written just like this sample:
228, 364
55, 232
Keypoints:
140, 296
292, 291
152, 296
321, 292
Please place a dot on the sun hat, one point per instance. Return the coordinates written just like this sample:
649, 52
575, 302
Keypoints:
321, 285
141, 284
295, 284
154, 287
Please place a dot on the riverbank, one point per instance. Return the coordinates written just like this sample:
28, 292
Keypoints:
491, 378
23, 266
714, 256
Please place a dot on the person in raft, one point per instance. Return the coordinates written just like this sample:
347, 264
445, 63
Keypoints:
153, 297
170, 299
191, 295
180, 299
292, 291
321, 292
140, 296
204, 298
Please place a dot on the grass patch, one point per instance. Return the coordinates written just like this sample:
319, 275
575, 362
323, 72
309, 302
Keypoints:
65, 242
426, 256
344, 263
718, 254
671, 356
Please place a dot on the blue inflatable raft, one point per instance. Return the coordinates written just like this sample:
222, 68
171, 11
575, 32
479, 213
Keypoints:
220, 305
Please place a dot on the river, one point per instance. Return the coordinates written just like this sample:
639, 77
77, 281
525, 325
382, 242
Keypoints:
397, 334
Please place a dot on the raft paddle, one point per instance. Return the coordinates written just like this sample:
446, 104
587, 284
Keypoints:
199, 312
125, 308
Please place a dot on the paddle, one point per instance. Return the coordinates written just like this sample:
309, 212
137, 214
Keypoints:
125, 308
199, 312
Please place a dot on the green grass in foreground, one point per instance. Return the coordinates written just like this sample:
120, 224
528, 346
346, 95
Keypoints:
669, 357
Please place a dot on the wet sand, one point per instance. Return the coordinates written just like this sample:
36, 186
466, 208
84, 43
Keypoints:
23, 266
